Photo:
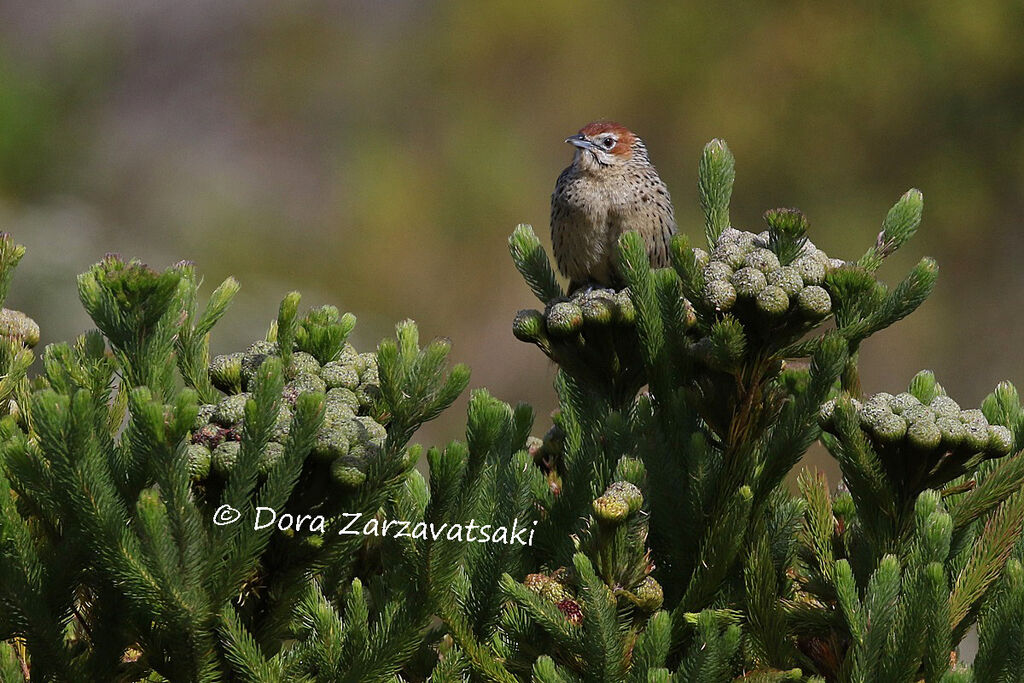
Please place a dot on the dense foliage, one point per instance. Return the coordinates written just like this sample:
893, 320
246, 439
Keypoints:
648, 536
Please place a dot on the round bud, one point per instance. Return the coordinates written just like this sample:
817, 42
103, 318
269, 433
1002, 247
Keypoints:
630, 493
900, 402
226, 372
1000, 440
874, 412
346, 475
367, 363
700, 257
546, 586
788, 278
772, 300
976, 436
554, 591
890, 429
973, 415
719, 294
649, 594
17, 325
368, 393
808, 249
812, 271
953, 431
283, 423
305, 383
731, 234
337, 374
564, 318
814, 301
348, 354
748, 240
729, 252
199, 457
611, 509
303, 363
203, 415
944, 405
882, 397
528, 325
230, 410
717, 270
584, 294
225, 456
341, 399
572, 611
834, 263
764, 260
272, 453
919, 413
748, 282
368, 430
332, 441
598, 310
924, 435
625, 314
535, 582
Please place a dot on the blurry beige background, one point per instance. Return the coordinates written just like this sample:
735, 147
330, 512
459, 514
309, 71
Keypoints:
376, 155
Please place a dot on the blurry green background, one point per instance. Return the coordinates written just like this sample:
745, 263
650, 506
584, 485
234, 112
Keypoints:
376, 155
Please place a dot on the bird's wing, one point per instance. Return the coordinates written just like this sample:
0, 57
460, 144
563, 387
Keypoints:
560, 217
650, 213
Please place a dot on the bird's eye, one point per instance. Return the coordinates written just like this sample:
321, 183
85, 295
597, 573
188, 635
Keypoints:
608, 143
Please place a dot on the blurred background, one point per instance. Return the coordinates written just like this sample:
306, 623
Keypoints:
376, 155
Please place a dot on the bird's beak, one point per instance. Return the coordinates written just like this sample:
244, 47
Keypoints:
579, 140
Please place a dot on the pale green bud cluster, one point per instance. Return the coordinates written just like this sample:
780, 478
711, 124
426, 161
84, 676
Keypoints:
742, 270
940, 425
619, 501
348, 435
17, 325
585, 308
590, 335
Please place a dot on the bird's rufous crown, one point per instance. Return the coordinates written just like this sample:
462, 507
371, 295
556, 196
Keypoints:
625, 136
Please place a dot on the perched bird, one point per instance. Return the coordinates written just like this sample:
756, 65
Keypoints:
610, 187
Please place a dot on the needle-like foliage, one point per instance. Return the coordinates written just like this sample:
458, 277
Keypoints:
262, 515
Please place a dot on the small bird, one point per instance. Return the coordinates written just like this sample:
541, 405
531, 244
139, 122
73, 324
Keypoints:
610, 188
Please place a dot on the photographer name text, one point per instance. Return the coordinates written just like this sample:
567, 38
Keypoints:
354, 525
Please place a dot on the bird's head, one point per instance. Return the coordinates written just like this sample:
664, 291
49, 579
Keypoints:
606, 144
